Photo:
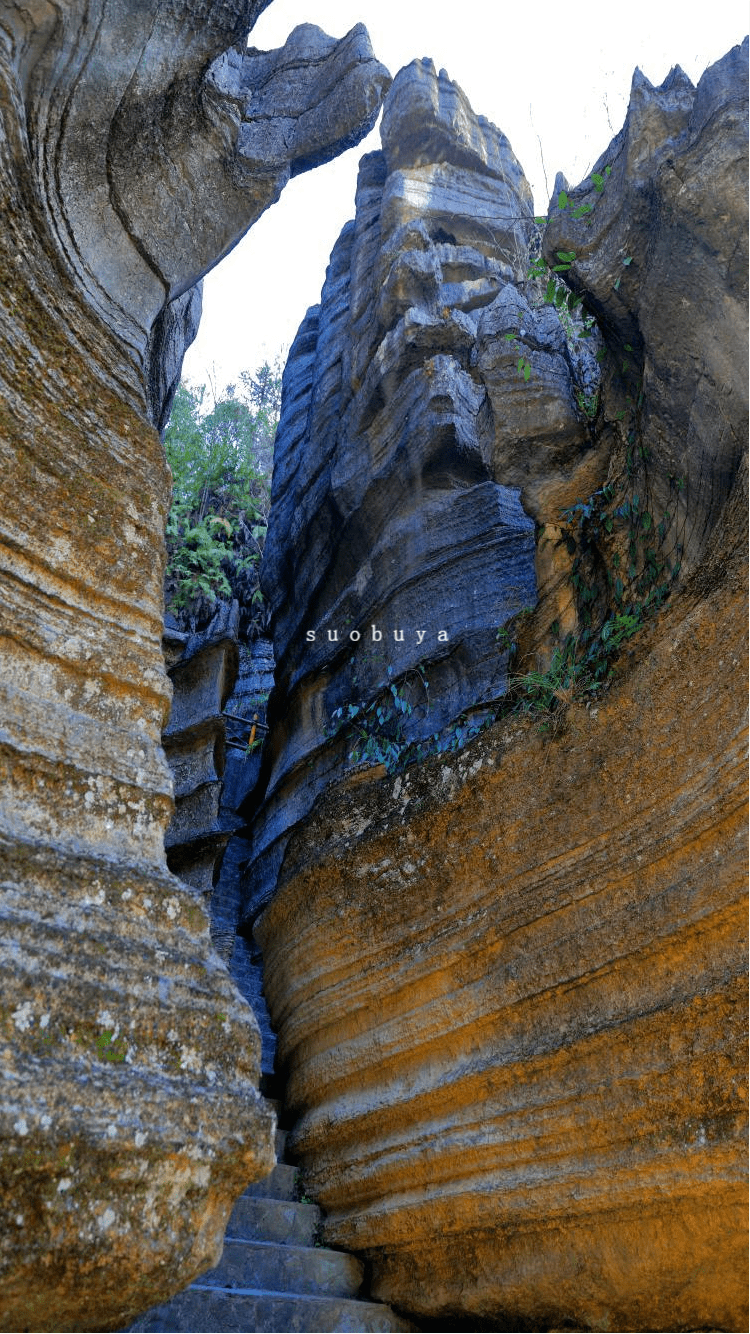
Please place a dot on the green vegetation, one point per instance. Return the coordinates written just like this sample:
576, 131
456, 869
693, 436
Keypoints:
580, 667
626, 550
376, 732
554, 290
110, 1049
221, 461
625, 565
588, 404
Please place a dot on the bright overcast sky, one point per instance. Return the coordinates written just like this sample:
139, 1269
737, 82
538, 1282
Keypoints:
556, 73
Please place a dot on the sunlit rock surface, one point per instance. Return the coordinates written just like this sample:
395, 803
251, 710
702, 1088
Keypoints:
509, 983
130, 1117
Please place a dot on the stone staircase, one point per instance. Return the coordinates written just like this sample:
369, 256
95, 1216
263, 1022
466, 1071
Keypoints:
273, 1275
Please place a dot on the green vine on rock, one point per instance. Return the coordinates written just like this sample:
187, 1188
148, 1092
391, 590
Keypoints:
622, 573
556, 292
588, 404
625, 543
376, 732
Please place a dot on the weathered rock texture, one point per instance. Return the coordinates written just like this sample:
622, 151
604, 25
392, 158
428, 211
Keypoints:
246, 727
401, 503
202, 668
662, 259
129, 163
509, 983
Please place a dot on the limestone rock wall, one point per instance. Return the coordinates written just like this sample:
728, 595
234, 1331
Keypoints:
130, 1116
509, 983
203, 669
401, 505
510, 998
662, 259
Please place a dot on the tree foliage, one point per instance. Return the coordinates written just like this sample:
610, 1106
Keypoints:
221, 460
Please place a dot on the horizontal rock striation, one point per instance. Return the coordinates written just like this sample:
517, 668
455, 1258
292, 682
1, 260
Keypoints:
130, 1117
509, 992
203, 669
508, 983
159, 114
410, 460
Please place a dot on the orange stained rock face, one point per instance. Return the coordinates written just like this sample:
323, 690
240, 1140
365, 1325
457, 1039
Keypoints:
510, 992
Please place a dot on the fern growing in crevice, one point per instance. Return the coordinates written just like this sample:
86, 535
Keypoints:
221, 468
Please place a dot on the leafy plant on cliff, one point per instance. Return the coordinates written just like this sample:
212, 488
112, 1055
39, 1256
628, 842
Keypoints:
580, 667
556, 292
221, 461
624, 567
376, 731
625, 539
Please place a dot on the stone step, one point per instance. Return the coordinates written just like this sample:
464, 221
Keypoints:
255, 1218
280, 1185
283, 1268
236, 1311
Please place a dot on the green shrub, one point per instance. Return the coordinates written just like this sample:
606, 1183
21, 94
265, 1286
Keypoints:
221, 462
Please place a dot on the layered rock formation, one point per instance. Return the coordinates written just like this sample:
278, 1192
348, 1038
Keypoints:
202, 668
401, 534
130, 1112
509, 982
246, 727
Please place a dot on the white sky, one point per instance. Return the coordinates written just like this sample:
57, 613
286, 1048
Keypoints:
560, 72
